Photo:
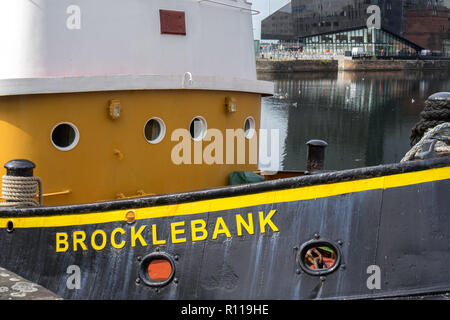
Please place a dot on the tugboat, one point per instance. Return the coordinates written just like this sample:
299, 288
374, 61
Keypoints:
103, 110
93, 95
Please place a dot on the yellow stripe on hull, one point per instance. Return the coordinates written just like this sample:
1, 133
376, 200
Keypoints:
236, 202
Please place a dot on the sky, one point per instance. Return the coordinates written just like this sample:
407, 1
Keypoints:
263, 7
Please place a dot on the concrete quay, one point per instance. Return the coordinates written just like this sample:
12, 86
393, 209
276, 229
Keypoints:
14, 287
344, 64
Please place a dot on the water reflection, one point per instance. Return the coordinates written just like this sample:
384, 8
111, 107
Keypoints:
366, 117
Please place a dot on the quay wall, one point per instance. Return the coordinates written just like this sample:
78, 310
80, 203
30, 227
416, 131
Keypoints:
280, 66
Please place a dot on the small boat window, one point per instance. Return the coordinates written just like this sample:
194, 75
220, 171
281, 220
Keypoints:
198, 128
319, 257
154, 130
65, 136
10, 226
157, 269
249, 127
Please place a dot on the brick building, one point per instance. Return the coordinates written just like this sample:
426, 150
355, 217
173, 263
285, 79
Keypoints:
427, 26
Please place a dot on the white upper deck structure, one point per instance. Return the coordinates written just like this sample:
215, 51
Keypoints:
89, 45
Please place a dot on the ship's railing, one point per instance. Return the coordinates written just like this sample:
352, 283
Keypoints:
253, 12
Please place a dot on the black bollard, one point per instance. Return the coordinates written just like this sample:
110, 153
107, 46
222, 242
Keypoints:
442, 96
316, 155
17, 184
19, 168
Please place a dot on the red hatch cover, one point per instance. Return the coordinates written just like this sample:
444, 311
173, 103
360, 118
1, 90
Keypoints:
172, 22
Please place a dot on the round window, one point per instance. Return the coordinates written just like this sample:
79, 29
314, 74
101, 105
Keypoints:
65, 136
249, 127
154, 130
198, 128
157, 269
319, 257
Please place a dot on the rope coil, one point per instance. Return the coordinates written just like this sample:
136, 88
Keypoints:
20, 191
440, 132
435, 112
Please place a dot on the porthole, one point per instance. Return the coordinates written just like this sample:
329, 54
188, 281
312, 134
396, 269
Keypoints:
65, 136
319, 257
249, 127
198, 128
157, 269
154, 130
10, 226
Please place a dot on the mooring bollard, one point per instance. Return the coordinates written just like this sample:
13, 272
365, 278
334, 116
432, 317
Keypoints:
316, 155
19, 186
20, 168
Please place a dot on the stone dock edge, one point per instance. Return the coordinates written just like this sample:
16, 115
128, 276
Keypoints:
14, 287
286, 66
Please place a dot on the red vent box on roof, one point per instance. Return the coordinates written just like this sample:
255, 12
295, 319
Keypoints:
172, 22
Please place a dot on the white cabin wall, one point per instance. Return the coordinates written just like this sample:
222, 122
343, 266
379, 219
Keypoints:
119, 37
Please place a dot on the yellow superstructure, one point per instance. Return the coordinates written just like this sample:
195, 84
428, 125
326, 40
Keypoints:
112, 158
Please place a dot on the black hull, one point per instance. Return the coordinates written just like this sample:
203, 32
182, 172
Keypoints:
395, 217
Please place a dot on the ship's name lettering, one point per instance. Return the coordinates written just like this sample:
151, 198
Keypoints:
177, 232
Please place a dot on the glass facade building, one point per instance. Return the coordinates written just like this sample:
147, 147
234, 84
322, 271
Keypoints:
311, 17
338, 26
374, 42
